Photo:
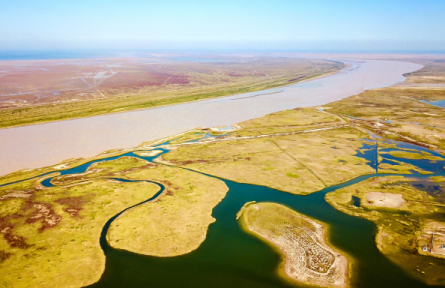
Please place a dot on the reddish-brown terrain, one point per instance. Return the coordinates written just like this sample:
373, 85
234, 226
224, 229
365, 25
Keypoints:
45, 81
34, 82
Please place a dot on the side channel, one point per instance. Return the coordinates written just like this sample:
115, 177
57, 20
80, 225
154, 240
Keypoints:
229, 257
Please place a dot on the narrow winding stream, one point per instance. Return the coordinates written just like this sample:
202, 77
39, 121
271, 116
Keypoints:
229, 257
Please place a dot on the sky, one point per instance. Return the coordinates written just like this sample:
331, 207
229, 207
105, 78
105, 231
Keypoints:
223, 25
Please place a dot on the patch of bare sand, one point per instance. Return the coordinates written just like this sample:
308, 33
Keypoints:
388, 200
148, 153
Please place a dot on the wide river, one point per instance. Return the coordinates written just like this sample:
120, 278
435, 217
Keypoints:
47, 144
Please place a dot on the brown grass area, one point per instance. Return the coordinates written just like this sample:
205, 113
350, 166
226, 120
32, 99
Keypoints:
50, 236
186, 188
298, 119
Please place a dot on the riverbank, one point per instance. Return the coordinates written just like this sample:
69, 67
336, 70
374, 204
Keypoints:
132, 84
50, 143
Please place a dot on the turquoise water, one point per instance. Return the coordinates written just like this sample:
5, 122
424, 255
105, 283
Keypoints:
229, 257
440, 103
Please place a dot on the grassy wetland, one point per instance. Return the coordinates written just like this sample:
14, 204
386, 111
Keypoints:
177, 222
55, 226
410, 111
407, 212
353, 153
50, 234
303, 151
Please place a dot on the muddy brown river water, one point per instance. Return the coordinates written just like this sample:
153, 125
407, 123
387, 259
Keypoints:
47, 144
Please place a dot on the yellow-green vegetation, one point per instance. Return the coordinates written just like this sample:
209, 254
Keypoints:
414, 155
300, 163
329, 154
301, 240
65, 164
114, 168
194, 135
286, 121
50, 236
399, 167
255, 161
57, 229
176, 223
397, 112
432, 72
206, 80
406, 211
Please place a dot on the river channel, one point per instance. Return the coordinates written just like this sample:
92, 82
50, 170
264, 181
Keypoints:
42, 145
229, 257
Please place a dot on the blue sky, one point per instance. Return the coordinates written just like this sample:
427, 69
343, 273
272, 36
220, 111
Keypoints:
280, 25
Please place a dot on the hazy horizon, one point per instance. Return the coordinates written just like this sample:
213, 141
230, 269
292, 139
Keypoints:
350, 26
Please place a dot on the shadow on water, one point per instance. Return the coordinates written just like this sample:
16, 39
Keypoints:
356, 201
229, 257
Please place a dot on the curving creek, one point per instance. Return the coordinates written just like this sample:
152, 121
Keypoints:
229, 257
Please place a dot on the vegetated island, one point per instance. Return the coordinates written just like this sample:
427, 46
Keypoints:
307, 257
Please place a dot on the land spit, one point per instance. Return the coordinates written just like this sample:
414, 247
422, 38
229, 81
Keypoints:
46, 144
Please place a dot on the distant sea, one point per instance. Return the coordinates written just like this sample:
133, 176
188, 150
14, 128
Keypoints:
47, 55
88, 54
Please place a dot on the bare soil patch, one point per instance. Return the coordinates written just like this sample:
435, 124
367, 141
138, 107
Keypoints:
388, 200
